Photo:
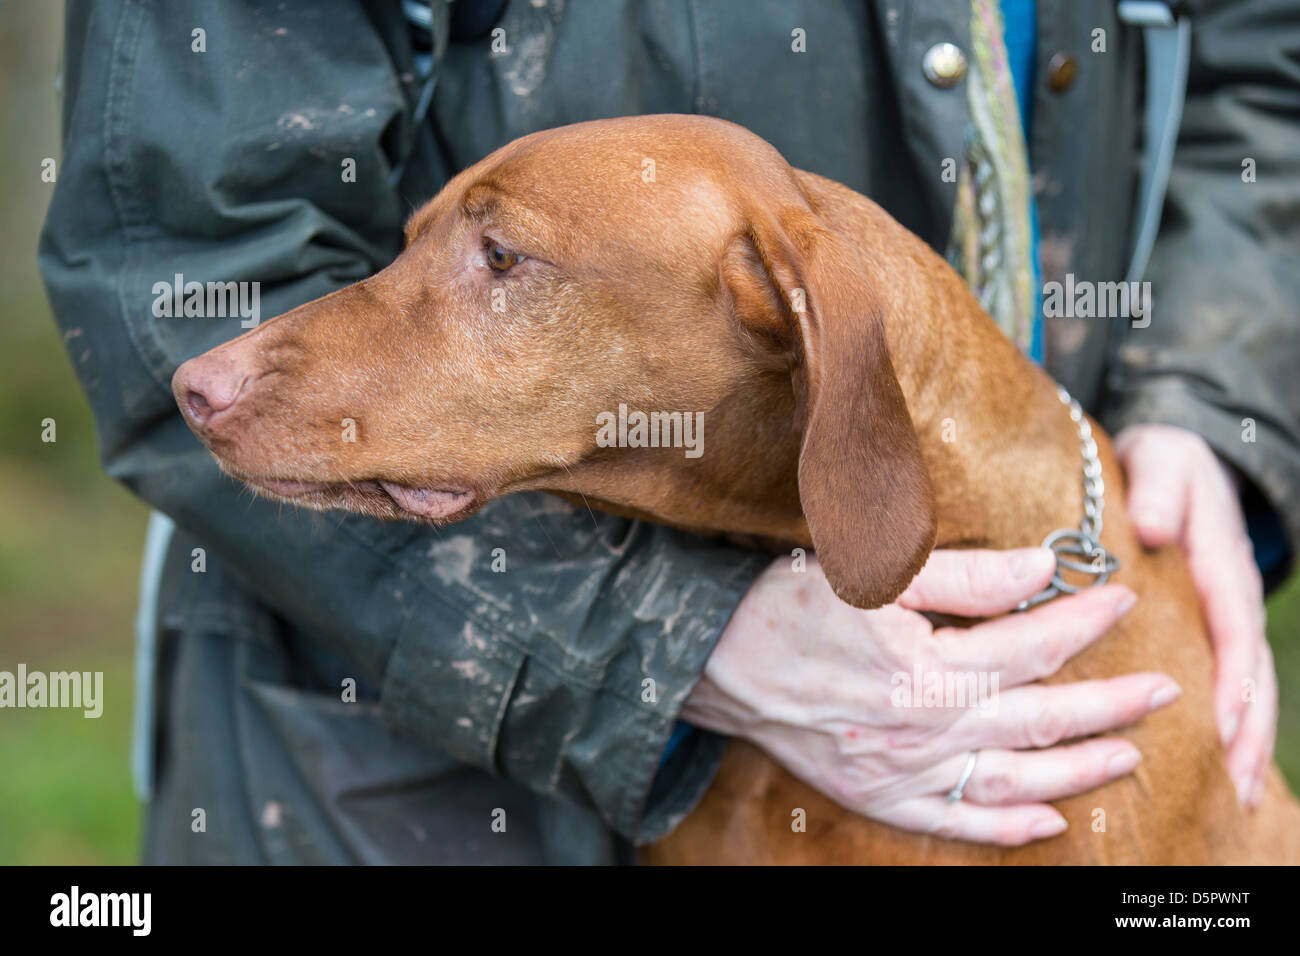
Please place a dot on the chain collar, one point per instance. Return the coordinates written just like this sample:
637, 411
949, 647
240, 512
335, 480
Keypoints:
1080, 549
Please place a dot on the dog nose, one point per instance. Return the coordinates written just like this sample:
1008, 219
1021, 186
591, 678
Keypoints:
206, 386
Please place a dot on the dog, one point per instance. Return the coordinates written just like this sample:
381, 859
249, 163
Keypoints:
825, 345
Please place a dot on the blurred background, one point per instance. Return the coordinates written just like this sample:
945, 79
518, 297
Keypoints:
70, 538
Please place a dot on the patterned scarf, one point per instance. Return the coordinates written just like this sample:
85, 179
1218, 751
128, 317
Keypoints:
992, 242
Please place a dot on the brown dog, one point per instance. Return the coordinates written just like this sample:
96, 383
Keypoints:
826, 345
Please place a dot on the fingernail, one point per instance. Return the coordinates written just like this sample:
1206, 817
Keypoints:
1256, 794
1123, 763
1032, 563
1230, 729
1165, 696
1048, 828
1244, 789
1126, 604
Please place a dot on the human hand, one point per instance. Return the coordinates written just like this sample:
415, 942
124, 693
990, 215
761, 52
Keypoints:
1180, 491
814, 683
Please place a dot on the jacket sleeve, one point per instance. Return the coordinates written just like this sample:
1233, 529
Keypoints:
1219, 354
544, 642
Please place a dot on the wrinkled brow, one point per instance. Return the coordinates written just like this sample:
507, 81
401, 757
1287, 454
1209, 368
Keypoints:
476, 204
481, 200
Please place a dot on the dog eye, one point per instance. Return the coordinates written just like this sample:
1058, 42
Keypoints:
500, 258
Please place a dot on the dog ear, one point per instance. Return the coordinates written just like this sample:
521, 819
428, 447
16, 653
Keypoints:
863, 484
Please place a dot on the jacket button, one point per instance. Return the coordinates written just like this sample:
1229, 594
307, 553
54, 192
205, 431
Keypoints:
1061, 71
944, 65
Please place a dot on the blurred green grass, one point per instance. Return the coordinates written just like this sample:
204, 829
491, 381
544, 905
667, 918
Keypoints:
68, 560
1284, 637
71, 539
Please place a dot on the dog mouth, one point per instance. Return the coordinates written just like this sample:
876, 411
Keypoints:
375, 496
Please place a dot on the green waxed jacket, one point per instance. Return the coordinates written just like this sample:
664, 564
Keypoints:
525, 691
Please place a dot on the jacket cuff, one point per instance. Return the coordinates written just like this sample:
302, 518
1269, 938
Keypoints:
611, 758
666, 791
578, 727
449, 698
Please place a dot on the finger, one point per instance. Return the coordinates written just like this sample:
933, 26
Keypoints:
1222, 562
1251, 751
1158, 487
978, 582
1016, 777
1001, 826
1021, 648
1039, 715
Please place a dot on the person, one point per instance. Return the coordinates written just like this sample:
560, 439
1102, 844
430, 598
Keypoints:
542, 684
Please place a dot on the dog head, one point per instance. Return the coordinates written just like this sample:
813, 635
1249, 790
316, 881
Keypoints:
664, 266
